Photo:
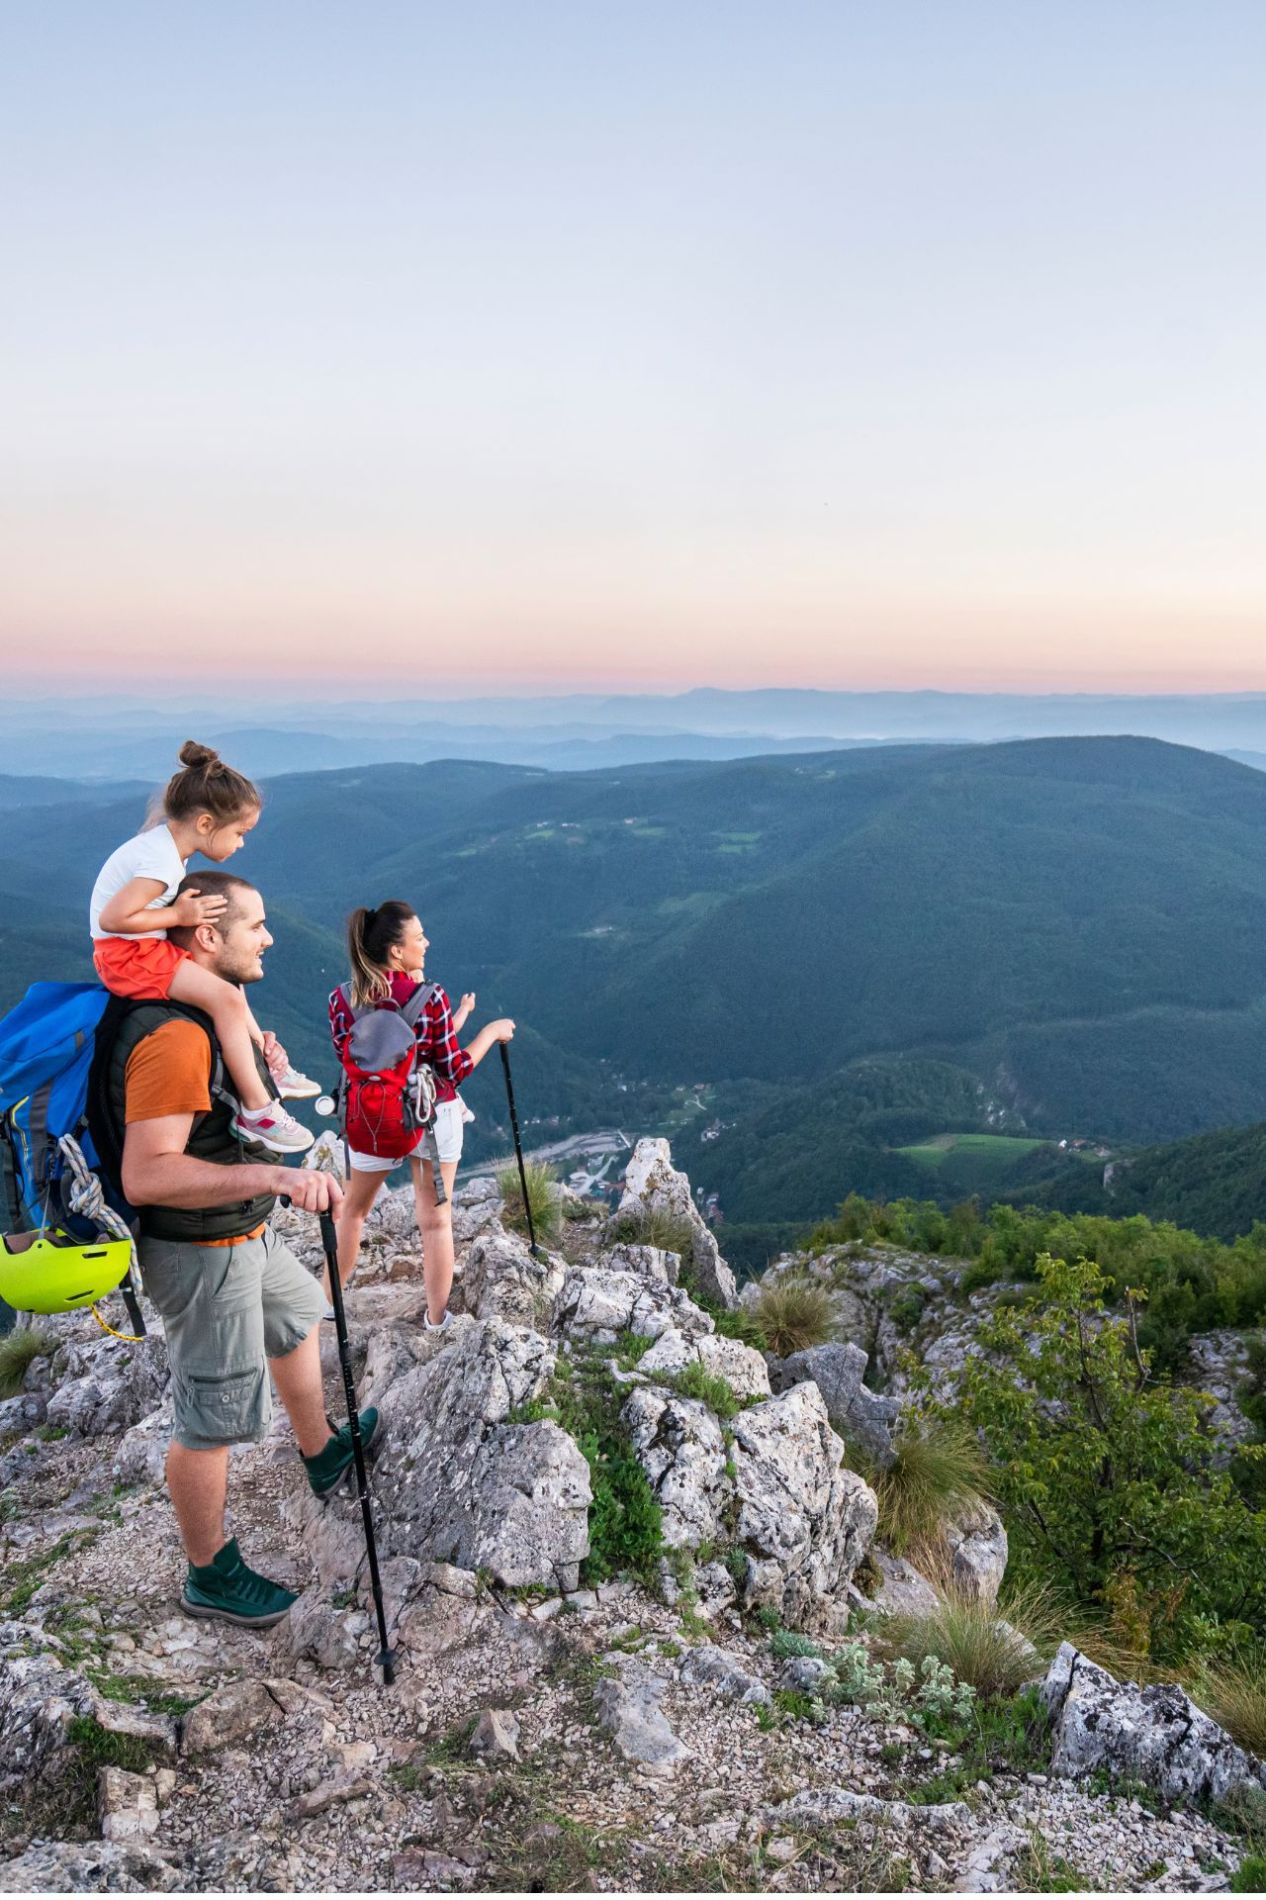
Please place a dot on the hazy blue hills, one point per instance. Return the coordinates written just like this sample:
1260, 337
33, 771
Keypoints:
854, 949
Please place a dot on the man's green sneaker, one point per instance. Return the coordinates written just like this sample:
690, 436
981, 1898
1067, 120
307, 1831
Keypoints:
230, 1589
325, 1470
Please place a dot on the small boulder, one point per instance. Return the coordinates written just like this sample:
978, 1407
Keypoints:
977, 1542
496, 1736
1156, 1734
639, 1727
839, 1372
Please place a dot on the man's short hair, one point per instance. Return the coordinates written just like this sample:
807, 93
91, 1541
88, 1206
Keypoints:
225, 884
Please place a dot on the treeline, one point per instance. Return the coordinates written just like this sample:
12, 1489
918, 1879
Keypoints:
1189, 1282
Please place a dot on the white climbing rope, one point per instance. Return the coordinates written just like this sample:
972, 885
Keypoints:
86, 1197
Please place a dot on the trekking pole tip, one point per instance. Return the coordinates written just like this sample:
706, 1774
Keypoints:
387, 1663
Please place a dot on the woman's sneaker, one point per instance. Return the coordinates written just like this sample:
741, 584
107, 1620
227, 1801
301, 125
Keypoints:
328, 1466
430, 1325
272, 1128
295, 1087
229, 1589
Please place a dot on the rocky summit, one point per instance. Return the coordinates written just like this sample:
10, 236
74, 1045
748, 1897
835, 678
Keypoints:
649, 1631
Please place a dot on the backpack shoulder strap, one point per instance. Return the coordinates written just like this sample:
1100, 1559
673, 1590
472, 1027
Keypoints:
354, 1010
412, 1010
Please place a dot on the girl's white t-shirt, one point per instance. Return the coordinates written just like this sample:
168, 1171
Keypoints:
151, 853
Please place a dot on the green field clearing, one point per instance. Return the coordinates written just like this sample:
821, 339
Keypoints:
977, 1163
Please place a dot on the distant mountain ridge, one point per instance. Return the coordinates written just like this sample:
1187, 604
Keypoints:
1067, 933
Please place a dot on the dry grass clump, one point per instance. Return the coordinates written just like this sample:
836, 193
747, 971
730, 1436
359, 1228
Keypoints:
656, 1227
547, 1214
794, 1315
999, 1650
1234, 1694
17, 1351
939, 1473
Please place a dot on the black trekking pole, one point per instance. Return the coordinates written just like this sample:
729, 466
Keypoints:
518, 1148
329, 1240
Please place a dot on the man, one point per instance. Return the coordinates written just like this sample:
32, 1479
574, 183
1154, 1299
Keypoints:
235, 1303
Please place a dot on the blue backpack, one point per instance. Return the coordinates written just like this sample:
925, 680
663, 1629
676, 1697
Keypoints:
47, 1046
49, 1077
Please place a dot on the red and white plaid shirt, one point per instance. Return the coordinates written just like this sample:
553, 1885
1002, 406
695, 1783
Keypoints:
437, 1039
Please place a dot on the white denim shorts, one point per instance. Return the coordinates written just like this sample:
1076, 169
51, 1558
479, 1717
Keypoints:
447, 1135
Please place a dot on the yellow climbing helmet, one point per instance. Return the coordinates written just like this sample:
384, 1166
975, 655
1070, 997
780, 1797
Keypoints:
51, 1272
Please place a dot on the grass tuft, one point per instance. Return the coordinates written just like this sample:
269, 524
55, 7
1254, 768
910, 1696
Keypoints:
939, 1473
1234, 1694
17, 1352
547, 1213
655, 1227
794, 1315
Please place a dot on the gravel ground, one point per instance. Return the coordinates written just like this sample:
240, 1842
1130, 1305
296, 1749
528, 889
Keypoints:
360, 1787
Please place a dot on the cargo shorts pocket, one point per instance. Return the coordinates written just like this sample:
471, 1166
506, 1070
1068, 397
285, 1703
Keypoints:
222, 1408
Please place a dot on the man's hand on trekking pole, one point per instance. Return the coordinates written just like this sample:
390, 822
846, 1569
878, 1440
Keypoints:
310, 1189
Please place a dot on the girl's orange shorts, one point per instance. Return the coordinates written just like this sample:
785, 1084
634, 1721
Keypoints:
137, 967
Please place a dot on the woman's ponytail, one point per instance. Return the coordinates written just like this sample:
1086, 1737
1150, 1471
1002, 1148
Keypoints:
371, 934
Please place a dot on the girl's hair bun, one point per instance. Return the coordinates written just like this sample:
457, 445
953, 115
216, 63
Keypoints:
191, 753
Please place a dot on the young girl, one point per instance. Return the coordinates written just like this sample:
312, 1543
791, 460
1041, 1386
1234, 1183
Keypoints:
387, 949
209, 808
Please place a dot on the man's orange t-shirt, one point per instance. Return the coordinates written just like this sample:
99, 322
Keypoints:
169, 1073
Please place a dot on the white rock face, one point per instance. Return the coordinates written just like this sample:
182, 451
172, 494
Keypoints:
805, 1520
679, 1445
503, 1279
652, 1182
597, 1304
839, 1372
456, 1482
108, 1385
39, 1699
142, 1454
743, 1369
655, 1263
978, 1543
1156, 1735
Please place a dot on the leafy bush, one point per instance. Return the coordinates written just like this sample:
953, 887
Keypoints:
1193, 1284
793, 1315
547, 1214
927, 1694
18, 1350
1109, 1480
940, 1471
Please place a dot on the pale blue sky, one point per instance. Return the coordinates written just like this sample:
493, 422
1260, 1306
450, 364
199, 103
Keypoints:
547, 344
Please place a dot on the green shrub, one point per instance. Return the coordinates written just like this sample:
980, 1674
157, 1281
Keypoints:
547, 1213
1250, 1875
18, 1350
940, 1472
695, 1382
1110, 1481
794, 1315
625, 1522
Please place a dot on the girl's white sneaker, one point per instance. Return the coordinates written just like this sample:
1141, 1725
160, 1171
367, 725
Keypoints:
295, 1087
437, 1326
272, 1128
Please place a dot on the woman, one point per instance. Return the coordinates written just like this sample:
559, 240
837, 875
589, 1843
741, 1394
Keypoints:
387, 948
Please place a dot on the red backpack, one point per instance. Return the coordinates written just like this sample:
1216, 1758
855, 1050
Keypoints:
387, 1094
